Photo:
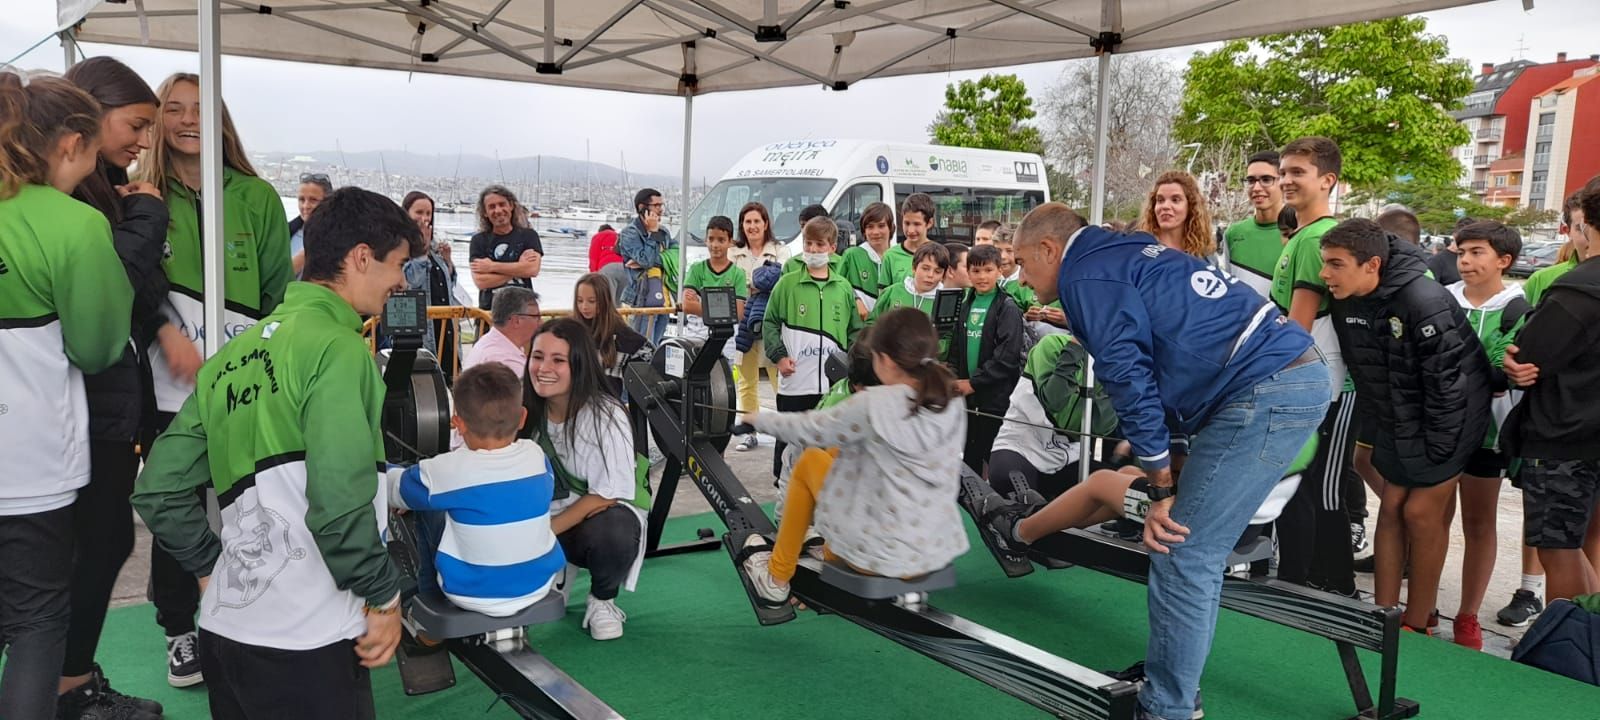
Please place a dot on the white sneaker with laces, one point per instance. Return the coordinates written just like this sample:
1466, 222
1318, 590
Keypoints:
756, 567
603, 619
747, 442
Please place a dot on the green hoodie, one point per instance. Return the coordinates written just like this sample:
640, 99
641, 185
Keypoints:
285, 425
1495, 323
257, 267
1533, 288
896, 266
65, 303
861, 267
808, 320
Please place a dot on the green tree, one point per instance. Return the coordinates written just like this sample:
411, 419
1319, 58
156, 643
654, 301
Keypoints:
1438, 205
991, 113
1381, 89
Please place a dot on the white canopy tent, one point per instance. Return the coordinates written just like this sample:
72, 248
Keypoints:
682, 47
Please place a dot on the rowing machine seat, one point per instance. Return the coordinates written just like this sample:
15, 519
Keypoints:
874, 587
438, 618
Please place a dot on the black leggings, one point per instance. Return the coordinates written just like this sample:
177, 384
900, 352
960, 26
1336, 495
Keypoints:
250, 682
790, 403
174, 591
35, 577
981, 432
1314, 529
605, 544
102, 525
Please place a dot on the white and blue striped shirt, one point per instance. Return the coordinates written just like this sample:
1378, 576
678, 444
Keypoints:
498, 554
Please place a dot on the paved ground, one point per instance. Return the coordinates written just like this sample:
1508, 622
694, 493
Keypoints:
754, 467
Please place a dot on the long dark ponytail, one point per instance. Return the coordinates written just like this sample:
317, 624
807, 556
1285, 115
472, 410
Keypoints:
114, 85
906, 336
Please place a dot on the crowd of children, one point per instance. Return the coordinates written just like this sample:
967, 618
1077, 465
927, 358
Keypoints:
1436, 394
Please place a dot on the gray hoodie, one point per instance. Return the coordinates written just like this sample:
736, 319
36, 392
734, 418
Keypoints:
889, 503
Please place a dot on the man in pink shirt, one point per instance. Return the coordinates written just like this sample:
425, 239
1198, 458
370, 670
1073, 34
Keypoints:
515, 314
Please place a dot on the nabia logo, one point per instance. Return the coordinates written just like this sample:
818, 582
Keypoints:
3, 268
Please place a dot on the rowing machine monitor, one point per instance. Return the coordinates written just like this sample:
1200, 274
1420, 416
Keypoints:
946, 309
719, 308
416, 408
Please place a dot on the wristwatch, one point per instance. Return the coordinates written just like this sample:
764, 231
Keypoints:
1157, 493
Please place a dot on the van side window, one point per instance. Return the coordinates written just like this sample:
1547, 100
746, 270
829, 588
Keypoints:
960, 210
848, 208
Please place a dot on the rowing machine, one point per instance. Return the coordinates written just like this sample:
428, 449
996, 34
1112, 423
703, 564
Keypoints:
684, 396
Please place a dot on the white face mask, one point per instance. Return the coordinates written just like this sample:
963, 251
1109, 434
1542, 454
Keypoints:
815, 260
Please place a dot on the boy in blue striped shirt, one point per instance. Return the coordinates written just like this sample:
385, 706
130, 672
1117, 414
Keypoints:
483, 510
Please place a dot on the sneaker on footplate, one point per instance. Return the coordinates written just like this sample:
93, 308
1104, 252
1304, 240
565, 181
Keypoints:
1524, 607
747, 442
1467, 632
603, 619
758, 567
183, 660
1135, 674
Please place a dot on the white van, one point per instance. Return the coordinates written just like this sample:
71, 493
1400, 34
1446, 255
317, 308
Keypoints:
845, 176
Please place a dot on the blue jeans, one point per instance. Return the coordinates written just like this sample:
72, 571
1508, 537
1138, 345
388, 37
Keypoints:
1234, 461
430, 533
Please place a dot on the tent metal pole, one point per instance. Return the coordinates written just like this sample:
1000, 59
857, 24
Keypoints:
67, 50
683, 204
212, 247
1097, 212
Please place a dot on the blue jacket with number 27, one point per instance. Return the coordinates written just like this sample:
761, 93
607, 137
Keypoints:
1173, 338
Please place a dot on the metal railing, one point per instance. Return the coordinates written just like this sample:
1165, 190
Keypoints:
1490, 133
441, 314
1536, 190
1479, 186
1541, 160
1547, 132
1481, 160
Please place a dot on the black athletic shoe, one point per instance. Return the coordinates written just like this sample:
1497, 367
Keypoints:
96, 700
1369, 565
1001, 516
183, 660
1135, 674
1524, 607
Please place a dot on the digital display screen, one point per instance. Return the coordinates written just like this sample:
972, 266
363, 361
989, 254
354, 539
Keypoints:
946, 307
719, 306
405, 313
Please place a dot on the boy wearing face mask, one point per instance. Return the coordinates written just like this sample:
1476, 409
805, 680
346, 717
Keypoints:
810, 316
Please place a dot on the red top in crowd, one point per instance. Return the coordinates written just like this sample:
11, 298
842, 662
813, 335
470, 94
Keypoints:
603, 250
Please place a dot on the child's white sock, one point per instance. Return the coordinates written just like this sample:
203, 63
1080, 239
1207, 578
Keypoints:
1533, 584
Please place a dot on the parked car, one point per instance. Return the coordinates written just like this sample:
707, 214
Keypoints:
1534, 258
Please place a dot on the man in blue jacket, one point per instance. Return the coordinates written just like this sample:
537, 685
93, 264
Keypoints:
1182, 347
641, 245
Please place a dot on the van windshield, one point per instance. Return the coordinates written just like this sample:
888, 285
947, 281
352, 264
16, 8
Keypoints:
783, 197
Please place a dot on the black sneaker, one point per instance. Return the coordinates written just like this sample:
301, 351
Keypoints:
1135, 674
183, 660
1001, 515
1524, 607
95, 700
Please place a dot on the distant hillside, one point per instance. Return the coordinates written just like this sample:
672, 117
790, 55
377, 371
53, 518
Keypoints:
549, 168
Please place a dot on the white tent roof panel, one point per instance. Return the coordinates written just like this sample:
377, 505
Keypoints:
643, 45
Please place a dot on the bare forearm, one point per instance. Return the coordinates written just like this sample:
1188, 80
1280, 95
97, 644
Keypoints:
579, 511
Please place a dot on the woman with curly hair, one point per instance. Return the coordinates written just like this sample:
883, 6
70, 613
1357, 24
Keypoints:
1176, 214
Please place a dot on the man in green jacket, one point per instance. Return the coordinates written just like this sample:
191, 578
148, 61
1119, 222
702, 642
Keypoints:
298, 595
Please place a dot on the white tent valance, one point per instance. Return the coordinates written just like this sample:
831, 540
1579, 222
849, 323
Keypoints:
659, 46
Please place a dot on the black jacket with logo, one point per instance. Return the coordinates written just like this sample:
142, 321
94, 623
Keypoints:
1000, 353
1558, 418
1419, 370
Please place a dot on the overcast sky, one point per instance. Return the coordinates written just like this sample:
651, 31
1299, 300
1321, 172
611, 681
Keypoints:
298, 107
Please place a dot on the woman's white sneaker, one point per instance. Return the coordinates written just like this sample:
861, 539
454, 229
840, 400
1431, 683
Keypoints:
603, 619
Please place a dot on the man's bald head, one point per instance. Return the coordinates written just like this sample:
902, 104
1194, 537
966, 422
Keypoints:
1039, 243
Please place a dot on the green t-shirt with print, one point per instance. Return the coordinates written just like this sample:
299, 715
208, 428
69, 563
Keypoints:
701, 276
975, 319
1300, 266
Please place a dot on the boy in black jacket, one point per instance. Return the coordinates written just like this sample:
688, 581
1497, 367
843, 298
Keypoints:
1422, 375
1555, 430
986, 352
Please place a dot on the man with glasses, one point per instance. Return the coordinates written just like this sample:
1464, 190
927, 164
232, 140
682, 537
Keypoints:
1254, 243
314, 188
515, 315
642, 245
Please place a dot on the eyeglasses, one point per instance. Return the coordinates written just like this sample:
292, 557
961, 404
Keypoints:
528, 315
1262, 180
657, 206
313, 177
